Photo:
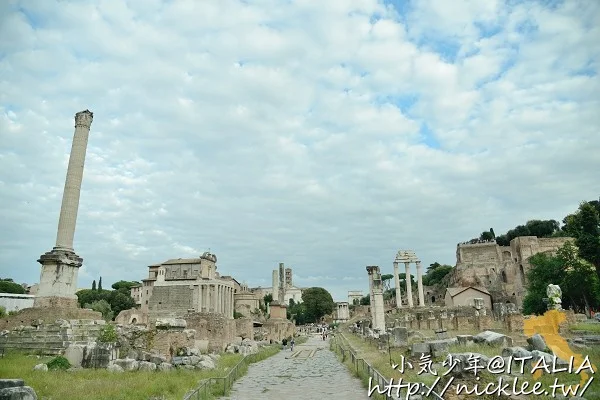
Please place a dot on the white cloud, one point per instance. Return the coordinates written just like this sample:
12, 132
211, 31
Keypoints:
292, 131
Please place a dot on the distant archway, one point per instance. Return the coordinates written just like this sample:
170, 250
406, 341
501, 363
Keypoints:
134, 320
433, 299
504, 277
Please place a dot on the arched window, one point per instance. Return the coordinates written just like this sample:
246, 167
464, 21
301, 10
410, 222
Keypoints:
433, 299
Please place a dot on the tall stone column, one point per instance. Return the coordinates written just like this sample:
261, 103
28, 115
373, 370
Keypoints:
60, 266
397, 283
408, 285
275, 294
377, 307
420, 284
370, 288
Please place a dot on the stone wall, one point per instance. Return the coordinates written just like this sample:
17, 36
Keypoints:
132, 316
277, 329
166, 342
51, 338
170, 300
502, 270
218, 330
244, 328
38, 316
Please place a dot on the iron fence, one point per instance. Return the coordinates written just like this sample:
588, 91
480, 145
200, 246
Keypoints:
204, 389
362, 367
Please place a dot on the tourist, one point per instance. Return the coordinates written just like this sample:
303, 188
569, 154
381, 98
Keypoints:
292, 344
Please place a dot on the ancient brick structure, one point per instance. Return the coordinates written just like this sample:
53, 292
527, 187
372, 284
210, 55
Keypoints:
502, 270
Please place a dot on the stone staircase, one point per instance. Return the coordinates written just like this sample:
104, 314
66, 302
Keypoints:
51, 339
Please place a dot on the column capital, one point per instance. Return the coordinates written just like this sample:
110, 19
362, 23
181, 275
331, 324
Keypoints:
84, 118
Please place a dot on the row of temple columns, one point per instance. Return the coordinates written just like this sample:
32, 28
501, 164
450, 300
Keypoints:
409, 295
217, 298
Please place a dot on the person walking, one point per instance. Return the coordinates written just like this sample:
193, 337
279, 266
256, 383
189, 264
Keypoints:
292, 344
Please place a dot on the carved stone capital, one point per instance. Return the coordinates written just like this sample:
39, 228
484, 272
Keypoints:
84, 118
61, 257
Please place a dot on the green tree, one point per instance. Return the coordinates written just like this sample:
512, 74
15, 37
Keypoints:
297, 312
100, 284
402, 278
584, 226
125, 286
365, 300
544, 271
435, 273
103, 307
576, 277
386, 280
94, 285
120, 301
8, 286
486, 235
580, 284
268, 299
317, 302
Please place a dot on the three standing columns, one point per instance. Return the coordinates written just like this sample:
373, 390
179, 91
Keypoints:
407, 257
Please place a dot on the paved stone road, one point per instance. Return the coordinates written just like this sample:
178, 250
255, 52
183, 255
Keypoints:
311, 371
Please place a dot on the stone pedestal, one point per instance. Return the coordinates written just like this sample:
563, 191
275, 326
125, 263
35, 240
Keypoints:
58, 280
483, 322
278, 310
513, 322
460, 322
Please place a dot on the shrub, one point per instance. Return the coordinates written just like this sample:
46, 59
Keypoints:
59, 363
2, 312
237, 315
108, 334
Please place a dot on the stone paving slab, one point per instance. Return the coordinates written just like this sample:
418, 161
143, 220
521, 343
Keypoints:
311, 371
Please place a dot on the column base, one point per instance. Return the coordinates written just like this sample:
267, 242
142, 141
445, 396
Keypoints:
55, 302
58, 280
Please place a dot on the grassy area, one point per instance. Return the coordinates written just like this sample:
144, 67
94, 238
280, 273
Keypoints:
380, 360
101, 384
586, 326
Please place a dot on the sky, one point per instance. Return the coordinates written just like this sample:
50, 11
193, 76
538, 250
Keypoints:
324, 135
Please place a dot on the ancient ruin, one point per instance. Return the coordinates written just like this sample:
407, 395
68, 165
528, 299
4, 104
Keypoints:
502, 270
377, 306
60, 266
407, 257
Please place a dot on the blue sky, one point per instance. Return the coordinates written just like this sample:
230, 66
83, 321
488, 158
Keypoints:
325, 136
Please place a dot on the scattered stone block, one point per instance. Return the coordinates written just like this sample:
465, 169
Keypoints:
165, 366
74, 353
41, 367
464, 340
440, 347
8, 383
146, 366
537, 342
115, 368
128, 364
493, 339
18, 393
419, 349
515, 352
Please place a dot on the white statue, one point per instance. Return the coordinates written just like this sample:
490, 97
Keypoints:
554, 297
